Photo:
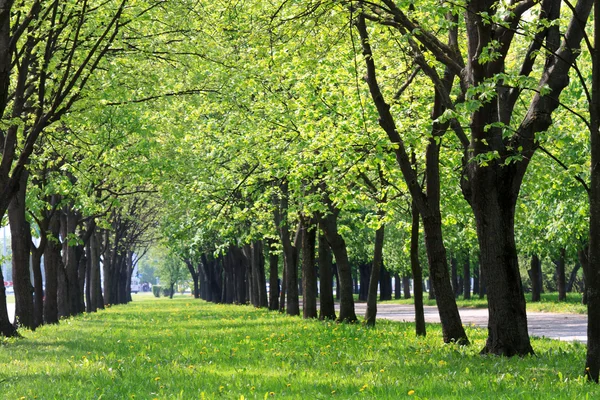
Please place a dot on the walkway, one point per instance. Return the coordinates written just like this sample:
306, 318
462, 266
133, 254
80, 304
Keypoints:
567, 327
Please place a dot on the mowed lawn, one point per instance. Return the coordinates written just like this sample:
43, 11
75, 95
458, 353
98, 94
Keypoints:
188, 349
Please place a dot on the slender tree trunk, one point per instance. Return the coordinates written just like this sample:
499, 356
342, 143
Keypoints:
560, 276
20, 243
536, 278
454, 273
95, 281
38, 286
467, 277
385, 283
573, 276
283, 288
364, 271
327, 310
371, 313
309, 271
417, 273
406, 285
397, 287
259, 274
52, 264
476, 279
273, 277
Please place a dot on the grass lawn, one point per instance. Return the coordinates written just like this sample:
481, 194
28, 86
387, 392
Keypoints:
549, 303
188, 349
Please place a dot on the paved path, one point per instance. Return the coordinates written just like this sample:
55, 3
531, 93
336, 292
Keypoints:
567, 327
11, 311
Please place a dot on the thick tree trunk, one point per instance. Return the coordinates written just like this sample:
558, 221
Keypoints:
371, 313
417, 273
328, 224
536, 278
20, 243
591, 263
309, 271
494, 208
327, 310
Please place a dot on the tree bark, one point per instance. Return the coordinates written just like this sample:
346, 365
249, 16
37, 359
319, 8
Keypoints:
258, 270
327, 310
328, 224
20, 243
397, 287
364, 271
536, 278
417, 273
371, 313
309, 272
52, 264
561, 283
273, 277
467, 277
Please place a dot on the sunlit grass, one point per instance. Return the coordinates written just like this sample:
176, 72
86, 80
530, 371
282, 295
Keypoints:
188, 349
549, 303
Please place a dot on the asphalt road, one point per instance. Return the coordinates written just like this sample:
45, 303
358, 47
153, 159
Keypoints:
567, 327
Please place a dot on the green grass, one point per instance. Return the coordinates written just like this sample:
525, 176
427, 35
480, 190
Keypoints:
186, 349
549, 303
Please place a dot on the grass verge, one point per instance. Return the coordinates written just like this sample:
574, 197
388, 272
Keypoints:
186, 349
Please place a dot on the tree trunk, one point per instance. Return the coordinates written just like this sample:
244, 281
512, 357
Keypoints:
273, 277
259, 273
38, 288
385, 284
536, 278
406, 286
20, 243
95, 282
454, 274
52, 264
328, 224
397, 287
69, 219
560, 276
371, 313
494, 207
364, 271
573, 277
467, 277
309, 272
476, 279
327, 310
417, 273
591, 265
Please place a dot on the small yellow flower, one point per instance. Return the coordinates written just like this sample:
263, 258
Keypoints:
271, 393
382, 370
157, 379
289, 384
411, 392
252, 388
333, 392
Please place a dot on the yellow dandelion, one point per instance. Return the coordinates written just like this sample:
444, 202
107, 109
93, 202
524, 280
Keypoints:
271, 393
411, 392
157, 379
382, 370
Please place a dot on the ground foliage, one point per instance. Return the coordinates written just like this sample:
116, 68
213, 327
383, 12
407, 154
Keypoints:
184, 348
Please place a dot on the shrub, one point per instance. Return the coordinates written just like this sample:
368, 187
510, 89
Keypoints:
156, 290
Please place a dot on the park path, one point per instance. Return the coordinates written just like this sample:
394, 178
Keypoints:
567, 327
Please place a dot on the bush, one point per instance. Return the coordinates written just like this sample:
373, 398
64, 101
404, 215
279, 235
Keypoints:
156, 290
166, 292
